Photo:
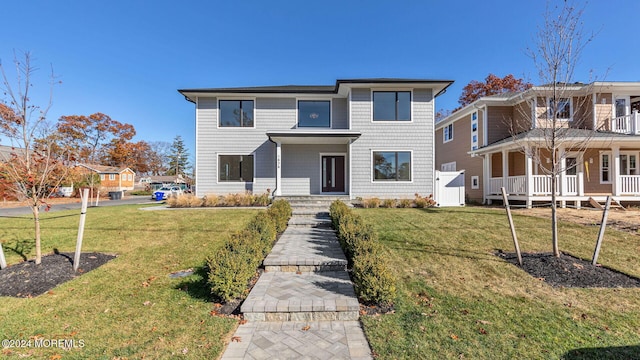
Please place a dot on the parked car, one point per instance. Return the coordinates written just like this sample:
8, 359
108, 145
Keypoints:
164, 192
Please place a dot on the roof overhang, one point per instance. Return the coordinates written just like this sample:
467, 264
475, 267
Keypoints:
298, 136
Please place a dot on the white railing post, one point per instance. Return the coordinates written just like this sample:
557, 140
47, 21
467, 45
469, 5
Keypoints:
634, 121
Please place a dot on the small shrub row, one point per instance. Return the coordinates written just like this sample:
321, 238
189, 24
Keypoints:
373, 280
213, 200
231, 269
418, 201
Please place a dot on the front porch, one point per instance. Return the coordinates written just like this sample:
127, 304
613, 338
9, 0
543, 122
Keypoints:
587, 174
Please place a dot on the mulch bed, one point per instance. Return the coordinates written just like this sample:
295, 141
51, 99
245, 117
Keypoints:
569, 271
26, 279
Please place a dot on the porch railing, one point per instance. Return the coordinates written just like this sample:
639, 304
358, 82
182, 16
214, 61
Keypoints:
627, 124
517, 185
630, 184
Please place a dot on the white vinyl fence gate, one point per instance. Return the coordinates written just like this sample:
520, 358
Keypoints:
449, 188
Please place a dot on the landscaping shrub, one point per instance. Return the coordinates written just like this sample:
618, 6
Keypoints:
373, 281
424, 202
210, 200
280, 211
389, 203
371, 203
262, 199
184, 201
231, 269
405, 203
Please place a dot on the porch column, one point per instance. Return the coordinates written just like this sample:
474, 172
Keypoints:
580, 173
505, 169
278, 191
615, 171
486, 178
562, 177
529, 174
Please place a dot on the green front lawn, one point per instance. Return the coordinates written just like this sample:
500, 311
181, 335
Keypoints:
458, 300
128, 308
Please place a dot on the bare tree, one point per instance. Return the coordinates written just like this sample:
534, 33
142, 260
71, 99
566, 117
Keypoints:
553, 121
33, 169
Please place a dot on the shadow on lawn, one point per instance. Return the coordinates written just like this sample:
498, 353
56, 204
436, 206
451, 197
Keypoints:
614, 352
196, 284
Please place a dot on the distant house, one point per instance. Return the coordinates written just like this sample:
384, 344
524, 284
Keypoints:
113, 178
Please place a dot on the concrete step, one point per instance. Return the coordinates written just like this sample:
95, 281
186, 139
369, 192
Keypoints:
306, 249
309, 221
304, 211
307, 296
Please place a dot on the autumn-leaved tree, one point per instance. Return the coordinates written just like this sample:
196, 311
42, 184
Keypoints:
32, 170
492, 85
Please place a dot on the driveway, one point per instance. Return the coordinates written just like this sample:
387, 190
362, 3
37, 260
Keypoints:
128, 200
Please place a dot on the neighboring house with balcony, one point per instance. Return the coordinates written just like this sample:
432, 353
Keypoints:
359, 138
112, 178
498, 141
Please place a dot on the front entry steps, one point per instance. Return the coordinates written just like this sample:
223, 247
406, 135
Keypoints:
615, 204
305, 276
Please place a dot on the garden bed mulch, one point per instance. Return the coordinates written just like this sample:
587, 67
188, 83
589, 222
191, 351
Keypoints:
569, 271
26, 279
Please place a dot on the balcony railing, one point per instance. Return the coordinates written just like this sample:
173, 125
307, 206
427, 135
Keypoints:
628, 124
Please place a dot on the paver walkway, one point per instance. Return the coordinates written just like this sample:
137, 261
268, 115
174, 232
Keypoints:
304, 305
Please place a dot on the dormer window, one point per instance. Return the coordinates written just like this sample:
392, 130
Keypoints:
563, 108
391, 106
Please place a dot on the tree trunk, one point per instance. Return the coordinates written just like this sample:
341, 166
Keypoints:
36, 219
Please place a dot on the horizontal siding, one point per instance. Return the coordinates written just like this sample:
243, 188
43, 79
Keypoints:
340, 114
416, 136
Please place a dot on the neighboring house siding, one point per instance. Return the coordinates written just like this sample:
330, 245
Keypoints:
582, 113
604, 111
340, 113
592, 183
457, 150
499, 120
301, 172
415, 136
522, 117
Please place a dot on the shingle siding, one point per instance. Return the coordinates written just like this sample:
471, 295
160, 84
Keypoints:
415, 136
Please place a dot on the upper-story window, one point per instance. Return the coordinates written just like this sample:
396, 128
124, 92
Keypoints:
112, 176
236, 113
562, 106
391, 106
314, 113
447, 133
474, 131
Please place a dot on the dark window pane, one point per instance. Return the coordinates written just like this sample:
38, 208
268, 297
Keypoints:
235, 168
230, 113
384, 167
392, 166
247, 113
314, 113
403, 105
384, 105
404, 166
236, 113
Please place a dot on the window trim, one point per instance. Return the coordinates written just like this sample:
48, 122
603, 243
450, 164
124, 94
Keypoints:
475, 182
411, 101
550, 116
235, 99
374, 181
600, 167
346, 173
330, 100
233, 181
444, 137
475, 121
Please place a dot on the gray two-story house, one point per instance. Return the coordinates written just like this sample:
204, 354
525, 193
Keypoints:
359, 137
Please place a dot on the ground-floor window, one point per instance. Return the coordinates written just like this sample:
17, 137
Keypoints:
475, 182
605, 176
392, 166
450, 166
237, 168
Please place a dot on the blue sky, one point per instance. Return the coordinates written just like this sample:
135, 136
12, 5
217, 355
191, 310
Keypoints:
128, 58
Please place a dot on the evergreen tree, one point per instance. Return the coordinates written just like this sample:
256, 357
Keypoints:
178, 157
